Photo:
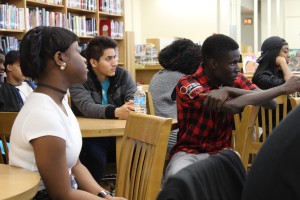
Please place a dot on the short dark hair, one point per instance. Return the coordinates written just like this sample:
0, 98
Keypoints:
39, 45
182, 55
96, 47
217, 46
11, 57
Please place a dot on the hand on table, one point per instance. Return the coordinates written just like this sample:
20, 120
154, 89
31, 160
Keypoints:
123, 111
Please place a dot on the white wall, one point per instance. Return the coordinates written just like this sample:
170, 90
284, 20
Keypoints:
193, 19
275, 26
225, 17
291, 26
197, 19
247, 4
132, 10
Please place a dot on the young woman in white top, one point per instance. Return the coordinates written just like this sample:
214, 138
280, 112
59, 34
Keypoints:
46, 137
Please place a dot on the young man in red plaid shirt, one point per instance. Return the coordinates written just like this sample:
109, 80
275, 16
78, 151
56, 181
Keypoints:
207, 100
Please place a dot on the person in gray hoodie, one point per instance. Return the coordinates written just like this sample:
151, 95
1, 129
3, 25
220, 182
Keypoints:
180, 58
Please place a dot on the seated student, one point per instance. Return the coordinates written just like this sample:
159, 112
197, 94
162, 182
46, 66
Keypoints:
10, 100
273, 69
15, 77
179, 58
207, 100
107, 94
274, 174
46, 136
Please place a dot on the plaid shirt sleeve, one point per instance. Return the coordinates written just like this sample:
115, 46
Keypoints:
188, 92
244, 83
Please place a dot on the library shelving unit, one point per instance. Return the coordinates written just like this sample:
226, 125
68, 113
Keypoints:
86, 18
144, 73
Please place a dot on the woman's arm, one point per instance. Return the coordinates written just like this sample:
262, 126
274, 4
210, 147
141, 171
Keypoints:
281, 62
87, 183
50, 155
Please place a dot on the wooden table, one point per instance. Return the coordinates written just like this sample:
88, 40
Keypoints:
91, 127
17, 183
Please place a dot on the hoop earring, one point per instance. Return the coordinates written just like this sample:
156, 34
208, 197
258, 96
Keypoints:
63, 67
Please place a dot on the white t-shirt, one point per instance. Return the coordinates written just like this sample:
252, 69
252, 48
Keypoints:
41, 116
25, 90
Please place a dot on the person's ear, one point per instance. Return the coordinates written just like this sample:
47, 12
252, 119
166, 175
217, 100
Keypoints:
58, 59
213, 63
9, 67
94, 62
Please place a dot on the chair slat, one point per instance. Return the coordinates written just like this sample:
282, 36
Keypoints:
267, 123
295, 101
150, 135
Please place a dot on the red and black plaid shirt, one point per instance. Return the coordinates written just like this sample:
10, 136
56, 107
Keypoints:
200, 130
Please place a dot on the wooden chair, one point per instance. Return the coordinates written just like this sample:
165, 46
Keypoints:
267, 125
295, 101
6, 122
266, 121
142, 156
245, 128
237, 121
150, 105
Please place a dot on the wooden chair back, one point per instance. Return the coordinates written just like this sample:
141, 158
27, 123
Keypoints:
270, 118
150, 105
295, 101
237, 121
142, 156
6, 122
266, 121
246, 126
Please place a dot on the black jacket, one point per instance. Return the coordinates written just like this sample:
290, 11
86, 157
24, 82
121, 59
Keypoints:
87, 98
9, 101
219, 177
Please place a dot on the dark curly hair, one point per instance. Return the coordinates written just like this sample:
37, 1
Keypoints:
182, 55
217, 47
39, 45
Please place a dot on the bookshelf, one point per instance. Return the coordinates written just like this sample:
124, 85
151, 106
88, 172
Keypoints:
144, 74
83, 17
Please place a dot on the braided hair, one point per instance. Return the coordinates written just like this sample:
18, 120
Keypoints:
39, 45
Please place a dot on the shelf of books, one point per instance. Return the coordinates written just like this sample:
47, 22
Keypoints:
86, 18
